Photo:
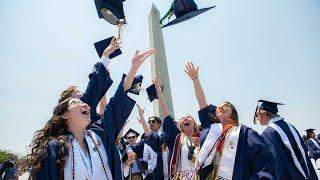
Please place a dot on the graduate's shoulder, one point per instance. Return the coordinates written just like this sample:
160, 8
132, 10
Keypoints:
138, 147
168, 118
52, 147
270, 133
252, 136
309, 141
269, 130
248, 130
152, 137
53, 144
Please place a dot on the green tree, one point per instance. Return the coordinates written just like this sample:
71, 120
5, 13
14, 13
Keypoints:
5, 155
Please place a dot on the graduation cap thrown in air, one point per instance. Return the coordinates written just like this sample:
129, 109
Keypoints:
152, 92
111, 11
130, 133
266, 106
184, 10
136, 84
102, 45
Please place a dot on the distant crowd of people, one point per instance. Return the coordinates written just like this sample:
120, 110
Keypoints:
78, 142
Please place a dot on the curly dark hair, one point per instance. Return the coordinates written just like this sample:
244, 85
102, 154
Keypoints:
56, 129
67, 93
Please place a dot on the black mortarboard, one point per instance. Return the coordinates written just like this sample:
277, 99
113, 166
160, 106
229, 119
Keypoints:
102, 45
131, 131
184, 10
136, 84
110, 10
152, 92
267, 106
309, 130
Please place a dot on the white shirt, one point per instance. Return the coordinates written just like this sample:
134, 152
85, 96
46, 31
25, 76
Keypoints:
105, 61
87, 167
187, 166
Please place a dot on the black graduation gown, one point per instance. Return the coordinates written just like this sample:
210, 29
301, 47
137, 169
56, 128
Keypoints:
314, 151
171, 131
138, 149
285, 164
155, 141
253, 159
116, 113
99, 83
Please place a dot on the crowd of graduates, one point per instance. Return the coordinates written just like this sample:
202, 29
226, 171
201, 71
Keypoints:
83, 143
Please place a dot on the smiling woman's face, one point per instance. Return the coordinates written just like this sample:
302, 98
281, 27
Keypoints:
187, 124
223, 112
78, 114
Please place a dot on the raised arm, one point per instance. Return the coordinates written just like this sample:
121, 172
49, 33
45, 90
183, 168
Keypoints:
114, 45
142, 120
102, 104
169, 127
99, 80
137, 61
162, 104
193, 73
120, 105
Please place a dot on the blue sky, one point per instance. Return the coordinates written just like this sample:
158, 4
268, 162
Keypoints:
246, 50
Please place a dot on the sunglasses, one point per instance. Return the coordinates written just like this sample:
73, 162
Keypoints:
131, 137
152, 121
259, 114
74, 101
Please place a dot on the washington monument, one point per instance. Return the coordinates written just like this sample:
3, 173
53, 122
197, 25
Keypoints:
159, 66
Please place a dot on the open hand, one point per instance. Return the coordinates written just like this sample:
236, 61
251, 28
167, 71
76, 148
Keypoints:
138, 59
141, 112
156, 83
131, 156
191, 71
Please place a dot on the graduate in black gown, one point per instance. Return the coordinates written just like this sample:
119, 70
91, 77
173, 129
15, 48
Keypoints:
313, 145
155, 139
8, 170
285, 143
134, 162
182, 141
229, 150
67, 148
